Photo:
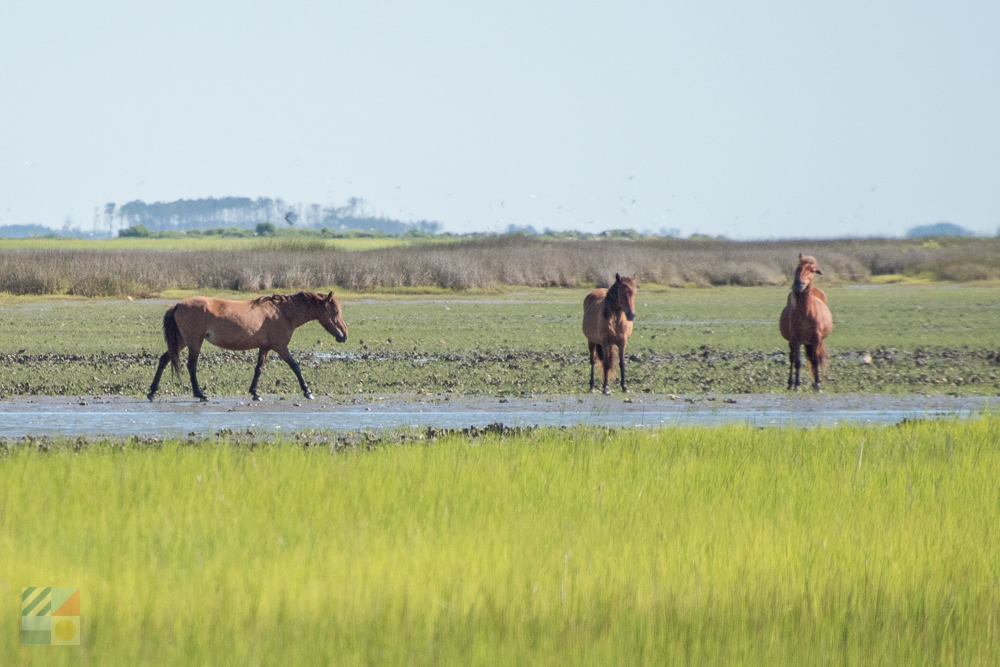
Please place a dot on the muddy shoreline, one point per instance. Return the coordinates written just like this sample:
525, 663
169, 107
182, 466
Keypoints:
500, 371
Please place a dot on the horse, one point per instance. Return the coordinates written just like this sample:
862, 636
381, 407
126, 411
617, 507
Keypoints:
265, 323
607, 321
806, 320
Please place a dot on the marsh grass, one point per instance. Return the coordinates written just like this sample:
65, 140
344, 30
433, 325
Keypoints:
511, 260
679, 546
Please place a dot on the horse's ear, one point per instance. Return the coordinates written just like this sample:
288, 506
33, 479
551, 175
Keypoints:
618, 278
800, 256
818, 271
329, 297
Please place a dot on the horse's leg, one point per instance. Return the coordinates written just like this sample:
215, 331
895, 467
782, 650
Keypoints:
593, 359
607, 363
164, 360
261, 358
794, 363
621, 363
812, 354
192, 364
294, 365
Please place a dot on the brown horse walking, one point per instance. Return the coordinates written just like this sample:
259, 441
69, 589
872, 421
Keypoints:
806, 320
266, 323
607, 321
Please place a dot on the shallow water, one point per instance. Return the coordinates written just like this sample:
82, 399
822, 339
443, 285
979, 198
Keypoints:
116, 415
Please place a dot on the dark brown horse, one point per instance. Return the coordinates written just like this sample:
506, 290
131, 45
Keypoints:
607, 322
806, 320
265, 323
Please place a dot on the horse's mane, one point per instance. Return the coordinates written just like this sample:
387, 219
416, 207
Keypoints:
807, 259
611, 298
310, 298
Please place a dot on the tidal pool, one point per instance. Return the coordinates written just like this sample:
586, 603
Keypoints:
118, 415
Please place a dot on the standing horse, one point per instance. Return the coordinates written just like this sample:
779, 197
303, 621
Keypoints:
806, 320
266, 323
607, 321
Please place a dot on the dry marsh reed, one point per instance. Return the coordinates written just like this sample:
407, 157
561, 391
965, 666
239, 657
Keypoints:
733, 546
511, 260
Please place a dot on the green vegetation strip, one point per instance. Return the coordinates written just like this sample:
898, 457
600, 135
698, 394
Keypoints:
729, 546
920, 339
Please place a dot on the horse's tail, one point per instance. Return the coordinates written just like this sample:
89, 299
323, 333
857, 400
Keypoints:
172, 335
821, 354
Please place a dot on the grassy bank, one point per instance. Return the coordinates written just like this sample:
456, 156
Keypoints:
213, 242
921, 339
147, 267
680, 546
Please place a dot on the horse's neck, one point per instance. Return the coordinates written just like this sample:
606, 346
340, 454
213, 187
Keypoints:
296, 315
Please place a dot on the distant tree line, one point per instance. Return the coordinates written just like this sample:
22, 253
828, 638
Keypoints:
939, 229
247, 213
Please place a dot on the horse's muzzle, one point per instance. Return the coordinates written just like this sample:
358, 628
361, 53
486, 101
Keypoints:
798, 286
630, 315
340, 336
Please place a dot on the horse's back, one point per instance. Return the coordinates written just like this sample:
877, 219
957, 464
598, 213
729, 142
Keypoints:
233, 325
597, 296
821, 314
193, 308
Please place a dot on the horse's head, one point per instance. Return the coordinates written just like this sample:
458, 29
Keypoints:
332, 320
624, 291
805, 273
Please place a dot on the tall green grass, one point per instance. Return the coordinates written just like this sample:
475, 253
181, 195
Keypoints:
680, 546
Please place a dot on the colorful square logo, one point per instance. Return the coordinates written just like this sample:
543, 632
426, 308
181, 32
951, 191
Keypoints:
50, 615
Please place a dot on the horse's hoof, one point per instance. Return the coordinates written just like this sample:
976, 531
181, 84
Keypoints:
150, 396
202, 398
309, 396
606, 392
257, 398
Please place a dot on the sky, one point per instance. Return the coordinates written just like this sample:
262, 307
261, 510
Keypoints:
759, 119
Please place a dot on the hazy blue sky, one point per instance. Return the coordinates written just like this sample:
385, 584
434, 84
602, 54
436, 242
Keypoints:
749, 119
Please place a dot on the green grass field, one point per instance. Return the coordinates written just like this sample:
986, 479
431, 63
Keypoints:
924, 338
732, 546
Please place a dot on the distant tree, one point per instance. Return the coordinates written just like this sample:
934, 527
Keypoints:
135, 232
265, 229
314, 215
109, 216
69, 228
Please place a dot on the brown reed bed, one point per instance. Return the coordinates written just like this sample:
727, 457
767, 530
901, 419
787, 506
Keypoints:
492, 262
